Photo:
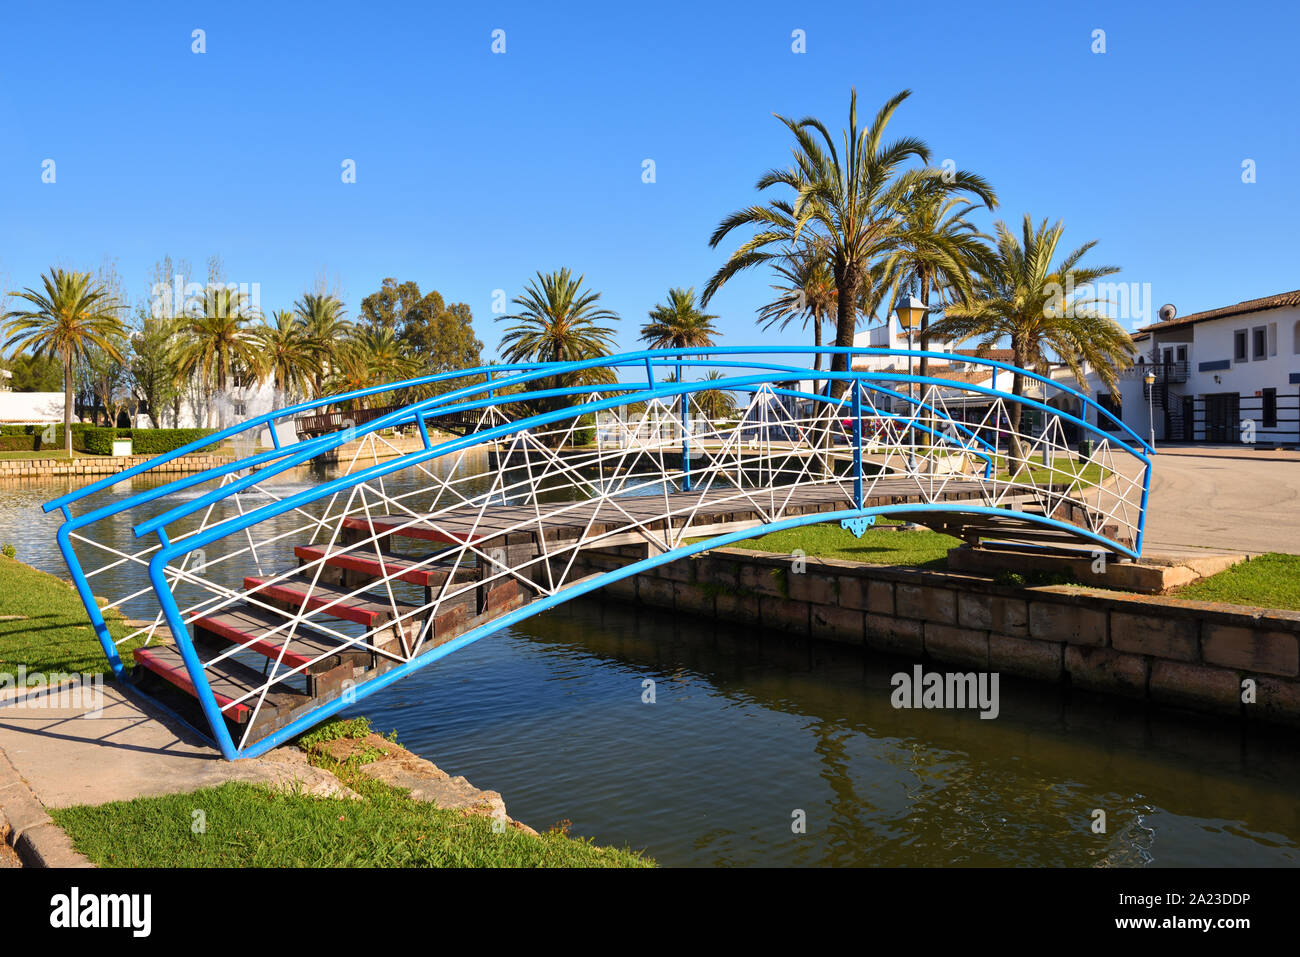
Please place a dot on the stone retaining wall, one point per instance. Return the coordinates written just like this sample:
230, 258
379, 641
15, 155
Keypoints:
102, 465
1188, 654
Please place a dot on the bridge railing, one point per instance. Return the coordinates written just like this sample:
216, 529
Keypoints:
657, 455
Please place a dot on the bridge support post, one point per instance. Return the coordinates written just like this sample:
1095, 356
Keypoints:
857, 444
686, 438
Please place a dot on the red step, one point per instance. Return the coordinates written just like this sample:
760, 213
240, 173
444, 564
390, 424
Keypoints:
365, 562
252, 627
363, 608
166, 662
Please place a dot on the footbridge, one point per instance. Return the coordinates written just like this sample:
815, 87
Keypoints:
337, 552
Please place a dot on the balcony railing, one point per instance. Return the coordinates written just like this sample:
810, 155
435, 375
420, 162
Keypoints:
1166, 372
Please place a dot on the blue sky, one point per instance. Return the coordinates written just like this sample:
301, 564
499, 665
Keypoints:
475, 170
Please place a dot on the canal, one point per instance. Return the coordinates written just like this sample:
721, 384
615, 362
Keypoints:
748, 737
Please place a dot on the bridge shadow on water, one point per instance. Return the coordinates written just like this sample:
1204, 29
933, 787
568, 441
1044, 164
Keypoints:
749, 728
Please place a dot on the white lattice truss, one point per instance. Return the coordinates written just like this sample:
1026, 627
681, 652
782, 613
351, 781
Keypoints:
696, 455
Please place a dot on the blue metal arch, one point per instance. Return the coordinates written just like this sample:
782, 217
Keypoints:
471, 398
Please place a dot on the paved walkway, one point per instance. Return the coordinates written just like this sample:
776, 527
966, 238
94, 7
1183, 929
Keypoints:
1224, 498
69, 757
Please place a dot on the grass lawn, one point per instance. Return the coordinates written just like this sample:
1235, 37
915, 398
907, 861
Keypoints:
924, 549
1060, 470
1271, 581
46, 454
43, 624
252, 826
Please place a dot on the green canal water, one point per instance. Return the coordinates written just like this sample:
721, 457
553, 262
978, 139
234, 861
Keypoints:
749, 734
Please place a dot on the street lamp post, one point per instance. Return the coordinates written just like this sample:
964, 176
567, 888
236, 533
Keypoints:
910, 310
1150, 379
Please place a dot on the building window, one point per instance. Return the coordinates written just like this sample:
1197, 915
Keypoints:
1239, 346
1259, 343
1270, 408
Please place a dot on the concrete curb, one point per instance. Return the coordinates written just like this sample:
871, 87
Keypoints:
28, 829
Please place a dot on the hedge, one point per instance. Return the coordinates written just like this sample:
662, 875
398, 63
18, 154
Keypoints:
97, 441
29, 438
143, 441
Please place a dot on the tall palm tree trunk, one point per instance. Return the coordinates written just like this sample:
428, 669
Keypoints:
67, 402
1014, 448
847, 280
925, 321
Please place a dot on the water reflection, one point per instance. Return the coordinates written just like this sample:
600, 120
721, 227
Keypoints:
749, 729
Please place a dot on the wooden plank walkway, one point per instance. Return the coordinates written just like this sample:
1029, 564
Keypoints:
570, 521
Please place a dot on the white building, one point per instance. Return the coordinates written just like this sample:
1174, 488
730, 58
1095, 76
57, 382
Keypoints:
30, 408
959, 365
1224, 375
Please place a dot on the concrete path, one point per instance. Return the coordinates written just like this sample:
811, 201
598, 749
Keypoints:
67, 757
1224, 499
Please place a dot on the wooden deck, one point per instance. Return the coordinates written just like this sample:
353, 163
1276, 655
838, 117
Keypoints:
713, 512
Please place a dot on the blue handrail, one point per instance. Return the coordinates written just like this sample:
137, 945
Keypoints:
488, 394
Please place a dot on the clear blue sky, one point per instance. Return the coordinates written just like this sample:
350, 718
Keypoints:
475, 170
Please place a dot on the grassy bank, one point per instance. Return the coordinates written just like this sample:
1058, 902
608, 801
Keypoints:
1271, 581
252, 826
877, 546
43, 624
44, 454
1060, 470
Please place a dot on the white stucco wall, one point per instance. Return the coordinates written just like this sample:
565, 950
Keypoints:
27, 407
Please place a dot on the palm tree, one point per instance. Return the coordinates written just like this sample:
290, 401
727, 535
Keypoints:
939, 248
327, 329
1022, 297
289, 353
679, 325
218, 346
559, 321
851, 202
807, 293
371, 357
715, 403
71, 317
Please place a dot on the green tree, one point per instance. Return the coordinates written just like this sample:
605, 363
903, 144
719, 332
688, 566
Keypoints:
678, 324
373, 356
717, 404
1023, 298
35, 373
218, 346
938, 248
852, 201
389, 307
105, 380
559, 321
151, 366
328, 330
71, 315
288, 355
805, 291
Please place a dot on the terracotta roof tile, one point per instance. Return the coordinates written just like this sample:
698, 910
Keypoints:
1281, 300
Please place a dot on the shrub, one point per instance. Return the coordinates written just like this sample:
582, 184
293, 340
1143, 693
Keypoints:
143, 441
158, 441
99, 441
31, 438
585, 433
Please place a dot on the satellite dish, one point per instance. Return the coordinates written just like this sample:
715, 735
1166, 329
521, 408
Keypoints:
1167, 312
